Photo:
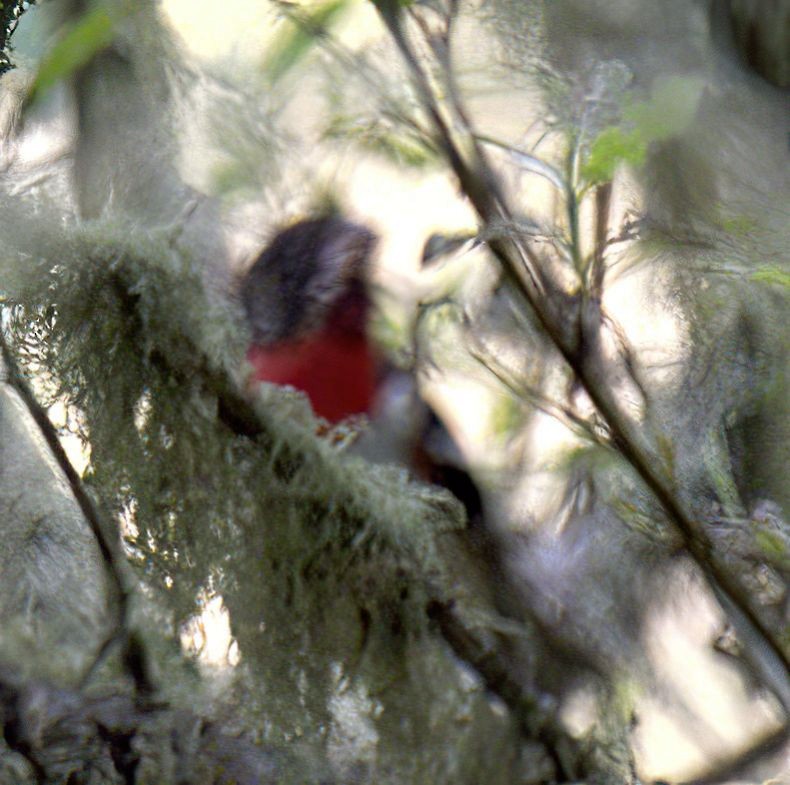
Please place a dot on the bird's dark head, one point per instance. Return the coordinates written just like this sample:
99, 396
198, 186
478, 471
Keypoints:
312, 272
308, 307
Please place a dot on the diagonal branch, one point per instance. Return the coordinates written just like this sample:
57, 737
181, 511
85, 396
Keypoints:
576, 329
136, 658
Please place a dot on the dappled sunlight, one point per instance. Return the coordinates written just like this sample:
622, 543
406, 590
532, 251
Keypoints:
704, 703
538, 500
127, 521
352, 734
244, 29
72, 431
405, 209
206, 636
561, 276
466, 405
579, 712
642, 305
142, 412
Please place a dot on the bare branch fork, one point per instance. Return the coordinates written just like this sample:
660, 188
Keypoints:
575, 324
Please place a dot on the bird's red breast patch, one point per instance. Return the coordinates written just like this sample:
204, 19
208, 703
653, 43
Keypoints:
336, 370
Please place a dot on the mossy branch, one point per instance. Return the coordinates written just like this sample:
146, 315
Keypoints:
135, 656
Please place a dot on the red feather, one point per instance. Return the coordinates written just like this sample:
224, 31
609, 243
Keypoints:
337, 371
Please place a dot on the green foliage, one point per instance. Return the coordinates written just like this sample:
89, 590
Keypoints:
390, 5
79, 43
670, 110
390, 331
617, 488
228, 176
300, 37
772, 275
612, 147
137, 343
666, 449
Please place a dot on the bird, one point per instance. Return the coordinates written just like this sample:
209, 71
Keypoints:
308, 305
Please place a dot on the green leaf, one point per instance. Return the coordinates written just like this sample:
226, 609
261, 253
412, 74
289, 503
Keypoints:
671, 109
403, 149
772, 275
612, 146
300, 37
79, 44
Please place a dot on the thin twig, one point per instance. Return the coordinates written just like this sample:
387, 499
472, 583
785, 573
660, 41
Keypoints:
603, 203
106, 537
748, 766
562, 414
572, 201
478, 182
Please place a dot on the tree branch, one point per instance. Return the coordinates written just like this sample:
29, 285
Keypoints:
575, 328
136, 658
